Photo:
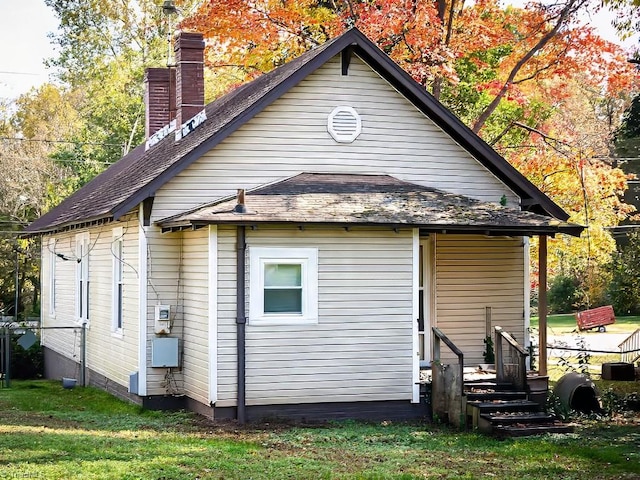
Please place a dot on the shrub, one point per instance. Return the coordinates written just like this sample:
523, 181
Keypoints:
26, 364
563, 294
624, 289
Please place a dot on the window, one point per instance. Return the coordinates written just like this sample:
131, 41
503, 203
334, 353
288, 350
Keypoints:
283, 285
82, 277
117, 255
52, 276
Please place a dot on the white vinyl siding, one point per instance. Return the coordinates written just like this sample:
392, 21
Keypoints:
112, 357
194, 282
290, 136
361, 347
163, 283
474, 272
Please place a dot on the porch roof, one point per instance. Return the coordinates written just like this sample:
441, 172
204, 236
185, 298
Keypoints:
367, 200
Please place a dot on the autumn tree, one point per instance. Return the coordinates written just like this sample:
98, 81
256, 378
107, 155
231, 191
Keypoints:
31, 130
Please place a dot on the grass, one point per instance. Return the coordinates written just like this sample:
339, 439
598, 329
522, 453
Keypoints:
47, 432
566, 323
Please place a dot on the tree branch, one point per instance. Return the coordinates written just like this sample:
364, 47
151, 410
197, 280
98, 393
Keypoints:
569, 9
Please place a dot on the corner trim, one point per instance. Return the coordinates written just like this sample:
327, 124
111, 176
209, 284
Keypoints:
213, 313
415, 287
142, 313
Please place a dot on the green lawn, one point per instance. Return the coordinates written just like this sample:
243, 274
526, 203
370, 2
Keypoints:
47, 432
564, 324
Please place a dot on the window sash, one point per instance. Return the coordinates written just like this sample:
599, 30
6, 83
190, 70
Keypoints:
283, 285
117, 250
52, 276
82, 254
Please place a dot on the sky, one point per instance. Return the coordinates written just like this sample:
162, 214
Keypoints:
25, 24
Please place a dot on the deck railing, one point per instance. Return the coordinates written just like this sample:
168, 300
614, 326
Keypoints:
630, 347
511, 366
448, 400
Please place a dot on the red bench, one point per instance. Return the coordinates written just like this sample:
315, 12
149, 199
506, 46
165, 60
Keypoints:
596, 318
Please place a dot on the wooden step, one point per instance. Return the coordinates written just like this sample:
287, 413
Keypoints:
477, 407
503, 418
488, 396
518, 430
504, 405
488, 385
489, 422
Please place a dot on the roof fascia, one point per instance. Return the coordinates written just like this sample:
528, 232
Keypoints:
446, 120
573, 230
341, 43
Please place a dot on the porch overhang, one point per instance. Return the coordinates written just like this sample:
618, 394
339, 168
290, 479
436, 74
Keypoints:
343, 200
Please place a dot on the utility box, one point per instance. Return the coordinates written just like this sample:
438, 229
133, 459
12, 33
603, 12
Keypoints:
133, 383
162, 319
165, 352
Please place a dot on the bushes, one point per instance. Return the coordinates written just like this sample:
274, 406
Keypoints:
624, 289
26, 364
563, 294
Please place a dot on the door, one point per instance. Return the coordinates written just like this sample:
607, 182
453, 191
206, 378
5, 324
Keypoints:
424, 301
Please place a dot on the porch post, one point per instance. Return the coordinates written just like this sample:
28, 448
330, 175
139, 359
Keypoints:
542, 304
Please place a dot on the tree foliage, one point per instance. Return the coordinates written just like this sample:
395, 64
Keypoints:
545, 91
624, 290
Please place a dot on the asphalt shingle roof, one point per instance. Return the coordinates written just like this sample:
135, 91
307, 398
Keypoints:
349, 199
141, 173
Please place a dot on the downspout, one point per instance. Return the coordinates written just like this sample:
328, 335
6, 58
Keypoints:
241, 320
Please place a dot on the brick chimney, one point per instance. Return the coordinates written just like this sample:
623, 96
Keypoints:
189, 49
159, 98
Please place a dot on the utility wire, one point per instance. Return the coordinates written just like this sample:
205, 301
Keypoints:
60, 141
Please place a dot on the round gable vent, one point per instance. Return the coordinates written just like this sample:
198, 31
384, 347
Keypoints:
344, 124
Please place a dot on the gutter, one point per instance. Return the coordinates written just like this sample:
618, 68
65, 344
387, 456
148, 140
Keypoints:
241, 320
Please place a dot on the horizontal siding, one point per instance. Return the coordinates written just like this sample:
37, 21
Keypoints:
290, 136
474, 272
108, 354
164, 253
227, 356
361, 347
65, 342
194, 283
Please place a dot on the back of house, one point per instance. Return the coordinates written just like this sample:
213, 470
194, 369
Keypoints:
286, 249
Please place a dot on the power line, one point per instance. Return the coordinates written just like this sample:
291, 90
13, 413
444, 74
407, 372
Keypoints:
59, 160
4, 72
60, 141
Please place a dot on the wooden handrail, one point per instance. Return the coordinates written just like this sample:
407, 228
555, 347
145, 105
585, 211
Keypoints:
630, 346
522, 354
439, 335
512, 341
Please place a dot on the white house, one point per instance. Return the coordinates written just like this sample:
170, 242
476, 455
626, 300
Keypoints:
286, 249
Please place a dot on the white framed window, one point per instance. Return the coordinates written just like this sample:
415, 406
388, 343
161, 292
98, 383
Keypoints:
82, 277
283, 285
52, 276
117, 250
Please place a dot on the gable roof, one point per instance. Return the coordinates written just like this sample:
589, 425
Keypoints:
138, 175
368, 200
